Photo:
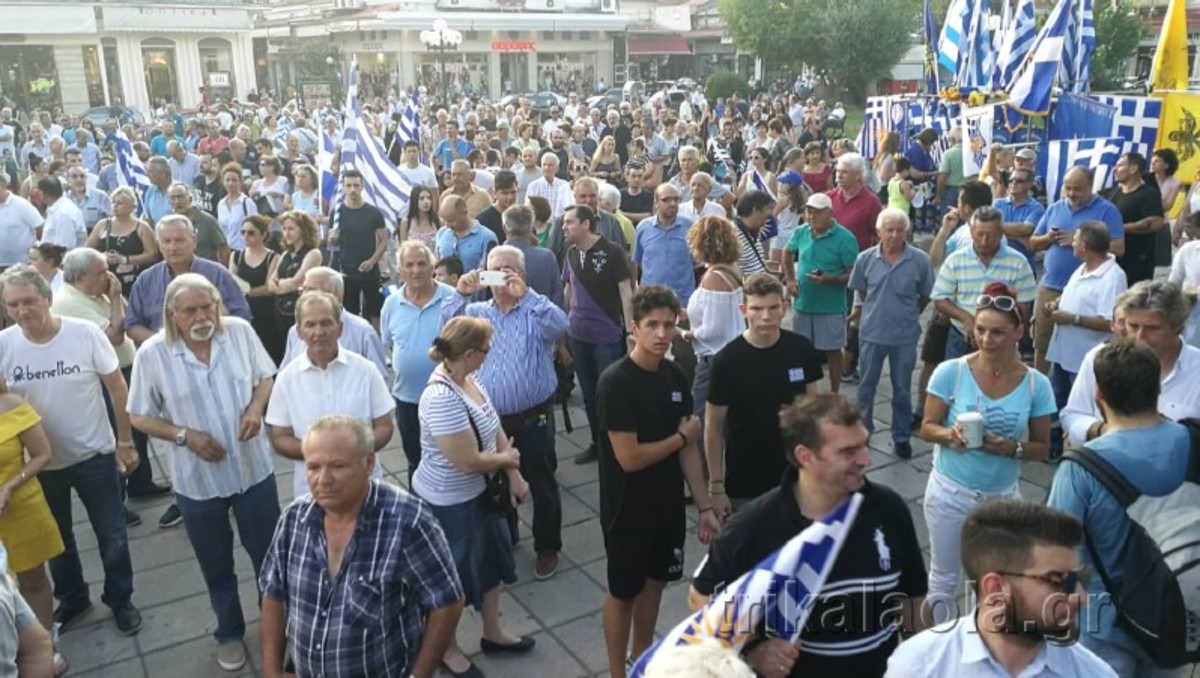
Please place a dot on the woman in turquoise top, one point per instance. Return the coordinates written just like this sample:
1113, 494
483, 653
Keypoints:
1016, 403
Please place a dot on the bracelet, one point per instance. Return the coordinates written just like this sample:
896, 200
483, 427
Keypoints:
124, 443
685, 438
709, 508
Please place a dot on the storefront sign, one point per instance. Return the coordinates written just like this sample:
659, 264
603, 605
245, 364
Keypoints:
514, 46
372, 47
216, 79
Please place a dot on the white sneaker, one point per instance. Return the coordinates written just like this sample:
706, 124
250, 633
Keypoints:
231, 656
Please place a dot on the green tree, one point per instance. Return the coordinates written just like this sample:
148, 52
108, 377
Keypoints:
1119, 30
724, 83
853, 42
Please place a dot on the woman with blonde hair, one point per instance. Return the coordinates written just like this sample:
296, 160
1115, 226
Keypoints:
27, 528
126, 241
713, 308
465, 458
299, 242
606, 164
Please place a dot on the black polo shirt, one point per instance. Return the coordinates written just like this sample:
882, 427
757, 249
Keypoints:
852, 629
1140, 248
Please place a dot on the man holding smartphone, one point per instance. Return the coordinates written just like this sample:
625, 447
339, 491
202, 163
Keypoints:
1054, 234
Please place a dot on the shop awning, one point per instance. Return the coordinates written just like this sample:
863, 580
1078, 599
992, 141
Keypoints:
660, 44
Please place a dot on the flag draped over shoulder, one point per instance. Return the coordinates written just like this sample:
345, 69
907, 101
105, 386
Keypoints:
779, 592
1179, 129
1170, 68
383, 185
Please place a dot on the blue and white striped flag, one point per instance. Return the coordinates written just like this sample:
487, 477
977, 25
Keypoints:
940, 115
1015, 45
778, 593
283, 127
1085, 48
130, 170
954, 34
1099, 155
874, 121
383, 185
1136, 121
410, 122
975, 61
1030, 92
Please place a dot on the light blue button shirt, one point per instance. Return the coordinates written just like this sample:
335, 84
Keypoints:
664, 256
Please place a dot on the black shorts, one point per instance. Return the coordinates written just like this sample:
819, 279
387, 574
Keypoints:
933, 351
637, 555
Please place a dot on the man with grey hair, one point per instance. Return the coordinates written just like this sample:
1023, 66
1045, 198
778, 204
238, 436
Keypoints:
357, 335
362, 526
519, 376
556, 191
20, 225
61, 366
90, 292
154, 198
541, 268
325, 379
202, 386
587, 193
1155, 313
211, 243
185, 167
461, 185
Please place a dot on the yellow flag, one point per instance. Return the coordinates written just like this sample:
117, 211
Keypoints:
1179, 129
1170, 68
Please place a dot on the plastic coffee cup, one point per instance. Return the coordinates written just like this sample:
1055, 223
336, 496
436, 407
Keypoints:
971, 425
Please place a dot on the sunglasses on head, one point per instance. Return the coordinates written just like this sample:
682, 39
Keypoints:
1005, 304
1068, 581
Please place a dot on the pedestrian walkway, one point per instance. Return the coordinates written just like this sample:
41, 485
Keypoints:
563, 614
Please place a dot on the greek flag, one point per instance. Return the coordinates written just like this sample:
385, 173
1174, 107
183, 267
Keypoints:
1078, 48
874, 124
325, 153
283, 127
975, 62
1030, 92
771, 229
779, 592
384, 186
954, 32
931, 67
410, 123
1136, 121
1015, 45
130, 171
939, 115
1099, 155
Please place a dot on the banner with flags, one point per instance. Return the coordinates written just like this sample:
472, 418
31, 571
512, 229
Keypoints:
1030, 92
778, 593
383, 185
1136, 121
130, 170
940, 115
1077, 117
1171, 66
1099, 155
978, 123
1180, 130
1015, 45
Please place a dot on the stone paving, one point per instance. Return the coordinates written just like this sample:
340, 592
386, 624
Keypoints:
562, 614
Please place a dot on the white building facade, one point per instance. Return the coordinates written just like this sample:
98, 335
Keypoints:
75, 55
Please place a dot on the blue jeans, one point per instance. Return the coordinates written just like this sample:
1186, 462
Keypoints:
409, 426
956, 344
207, 522
590, 361
99, 488
902, 360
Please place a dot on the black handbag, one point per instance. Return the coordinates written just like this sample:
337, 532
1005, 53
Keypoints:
498, 492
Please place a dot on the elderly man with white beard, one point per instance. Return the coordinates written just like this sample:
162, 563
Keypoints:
202, 385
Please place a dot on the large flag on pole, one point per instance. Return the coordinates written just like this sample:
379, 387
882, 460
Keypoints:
383, 185
1170, 68
130, 171
932, 85
1030, 92
954, 33
779, 592
1179, 129
1015, 45
974, 68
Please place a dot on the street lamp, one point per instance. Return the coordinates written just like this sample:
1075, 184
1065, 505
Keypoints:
442, 39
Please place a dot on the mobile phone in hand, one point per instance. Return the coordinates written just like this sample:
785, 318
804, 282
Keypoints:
491, 278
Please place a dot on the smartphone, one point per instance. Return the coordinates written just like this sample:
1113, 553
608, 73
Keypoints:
492, 278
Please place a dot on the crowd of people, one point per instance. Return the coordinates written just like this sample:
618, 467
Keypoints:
711, 277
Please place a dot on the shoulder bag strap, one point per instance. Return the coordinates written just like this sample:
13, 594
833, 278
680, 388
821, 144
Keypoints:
1112, 480
467, 408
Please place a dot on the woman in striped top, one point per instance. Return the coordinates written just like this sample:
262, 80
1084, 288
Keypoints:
461, 444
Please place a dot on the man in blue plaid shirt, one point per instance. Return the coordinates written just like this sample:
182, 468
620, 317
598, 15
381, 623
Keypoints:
359, 573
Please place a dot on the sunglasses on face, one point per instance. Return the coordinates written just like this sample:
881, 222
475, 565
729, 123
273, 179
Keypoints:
1068, 582
1000, 303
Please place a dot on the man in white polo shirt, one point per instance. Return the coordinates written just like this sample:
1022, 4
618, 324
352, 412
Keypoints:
20, 225
326, 379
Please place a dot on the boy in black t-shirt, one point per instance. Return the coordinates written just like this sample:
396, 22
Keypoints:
649, 446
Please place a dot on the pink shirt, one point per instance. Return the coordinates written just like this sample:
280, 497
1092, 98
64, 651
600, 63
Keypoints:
857, 214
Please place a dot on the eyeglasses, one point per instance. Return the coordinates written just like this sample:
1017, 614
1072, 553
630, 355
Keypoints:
1067, 581
1004, 304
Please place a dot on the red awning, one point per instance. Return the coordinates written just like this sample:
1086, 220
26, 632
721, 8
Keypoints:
663, 44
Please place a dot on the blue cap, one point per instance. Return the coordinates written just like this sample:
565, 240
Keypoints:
790, 178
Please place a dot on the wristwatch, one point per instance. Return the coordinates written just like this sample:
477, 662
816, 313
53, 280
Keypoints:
181, 437
1019, 453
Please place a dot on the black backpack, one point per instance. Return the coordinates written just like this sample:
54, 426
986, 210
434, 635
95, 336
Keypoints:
1158, 600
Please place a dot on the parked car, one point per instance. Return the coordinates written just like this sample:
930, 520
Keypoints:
613, 97
670, 98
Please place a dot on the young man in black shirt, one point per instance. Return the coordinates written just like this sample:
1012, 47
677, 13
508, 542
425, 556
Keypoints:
878, 582
637, 204
752, 377
1141, 209
505, 194
644, 408
363, 235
